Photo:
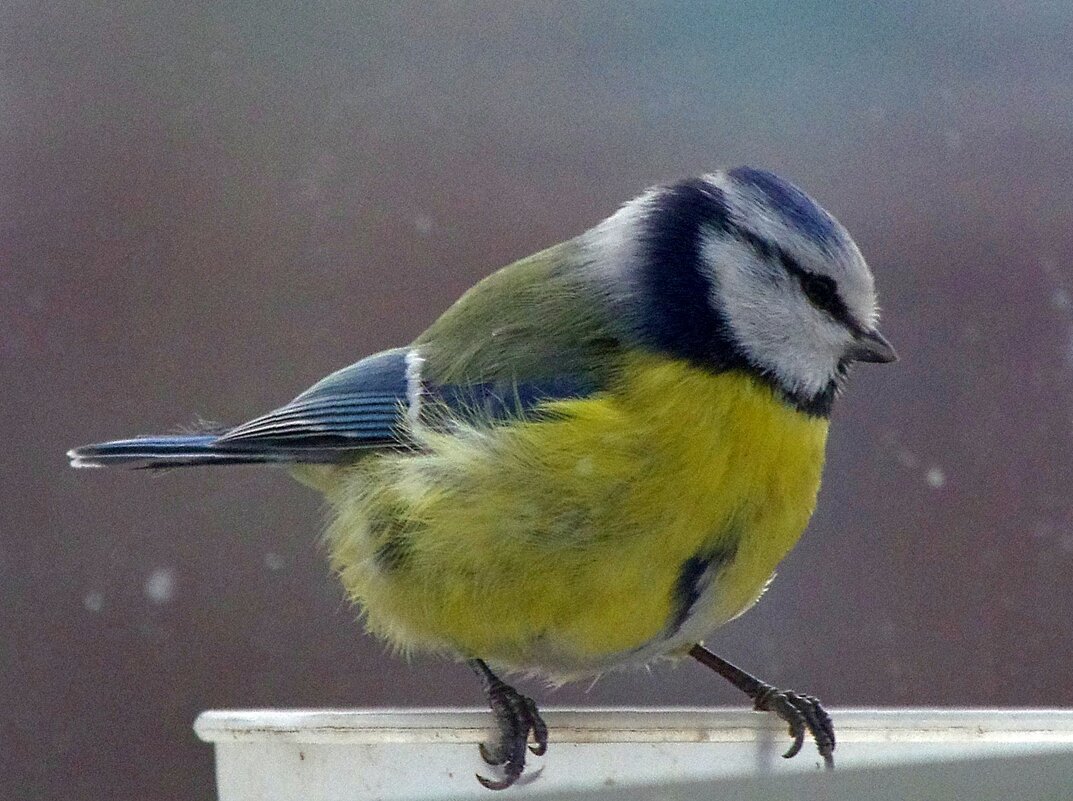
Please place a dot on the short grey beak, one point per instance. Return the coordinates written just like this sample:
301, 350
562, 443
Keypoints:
871, 346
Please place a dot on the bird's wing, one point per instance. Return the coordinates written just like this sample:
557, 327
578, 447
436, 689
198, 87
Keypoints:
530, 333
360, 406
372, 404
368, 406
536, 331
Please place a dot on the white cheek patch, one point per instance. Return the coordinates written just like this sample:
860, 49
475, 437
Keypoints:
770, 318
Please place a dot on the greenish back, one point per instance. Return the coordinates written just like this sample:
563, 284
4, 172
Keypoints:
536, 318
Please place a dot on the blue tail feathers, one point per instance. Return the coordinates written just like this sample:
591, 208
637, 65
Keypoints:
179, 450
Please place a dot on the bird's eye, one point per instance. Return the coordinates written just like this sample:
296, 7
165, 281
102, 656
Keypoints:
820, 290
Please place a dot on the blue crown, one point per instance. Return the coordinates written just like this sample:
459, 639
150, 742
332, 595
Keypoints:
794, 206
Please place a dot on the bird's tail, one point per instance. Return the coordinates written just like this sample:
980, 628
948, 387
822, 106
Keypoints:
178, 450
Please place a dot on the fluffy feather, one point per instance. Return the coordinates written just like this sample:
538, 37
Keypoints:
557, 545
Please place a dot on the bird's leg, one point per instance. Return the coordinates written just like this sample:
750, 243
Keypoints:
801, 712
516, 716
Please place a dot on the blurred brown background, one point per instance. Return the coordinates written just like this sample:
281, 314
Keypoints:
204, 207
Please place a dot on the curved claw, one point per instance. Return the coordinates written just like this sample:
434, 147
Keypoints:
493, 784
803, 713
516, 716
798, 733
539, 728
799, 711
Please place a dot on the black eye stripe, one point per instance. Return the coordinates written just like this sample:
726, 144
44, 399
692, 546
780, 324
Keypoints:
832, 305
821, 291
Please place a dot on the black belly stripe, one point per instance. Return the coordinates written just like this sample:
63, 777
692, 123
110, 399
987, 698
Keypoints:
694, 576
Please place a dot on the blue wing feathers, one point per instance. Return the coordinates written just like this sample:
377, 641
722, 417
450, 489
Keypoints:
359, 408
341, 422
382, 375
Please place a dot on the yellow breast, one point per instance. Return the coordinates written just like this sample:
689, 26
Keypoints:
605, 529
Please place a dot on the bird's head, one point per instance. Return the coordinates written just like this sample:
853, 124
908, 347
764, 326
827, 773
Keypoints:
740, 269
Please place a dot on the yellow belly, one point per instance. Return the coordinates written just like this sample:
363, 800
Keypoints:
561, 545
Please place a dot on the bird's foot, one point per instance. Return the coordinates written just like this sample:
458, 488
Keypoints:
802, 713
516, 716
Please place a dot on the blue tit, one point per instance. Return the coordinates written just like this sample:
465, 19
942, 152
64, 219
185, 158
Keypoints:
596, 456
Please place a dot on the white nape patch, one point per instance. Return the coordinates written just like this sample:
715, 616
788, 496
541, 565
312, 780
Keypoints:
414, 389
612, 246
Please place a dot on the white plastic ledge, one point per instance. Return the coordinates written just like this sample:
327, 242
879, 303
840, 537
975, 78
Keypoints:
355, 755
